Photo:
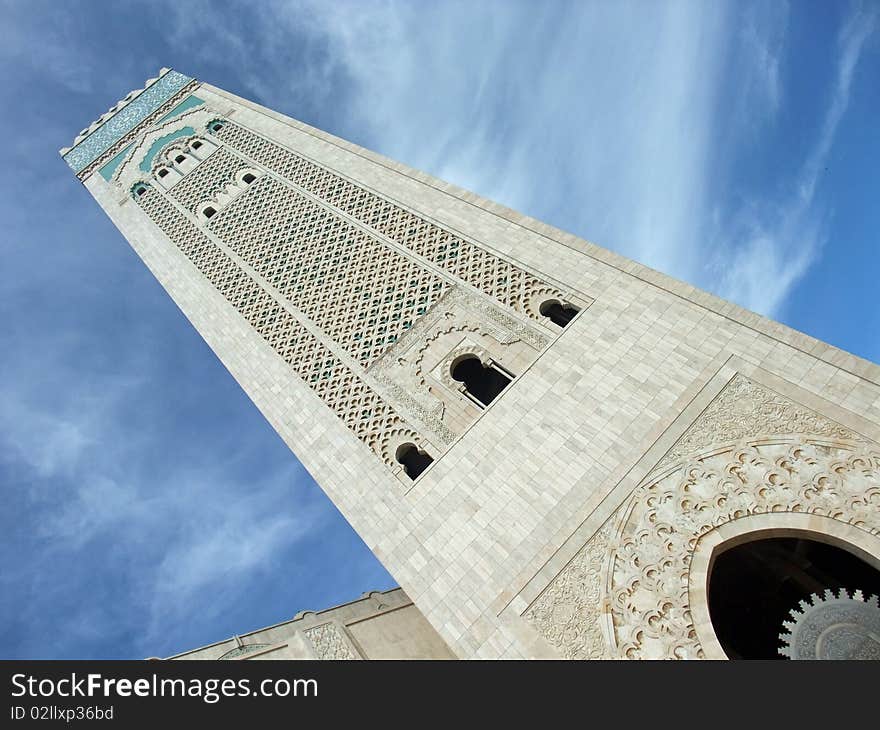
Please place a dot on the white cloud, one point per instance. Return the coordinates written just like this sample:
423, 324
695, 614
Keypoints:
779, 240
187, 530
614, 130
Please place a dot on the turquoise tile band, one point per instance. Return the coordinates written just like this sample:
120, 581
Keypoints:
125, 120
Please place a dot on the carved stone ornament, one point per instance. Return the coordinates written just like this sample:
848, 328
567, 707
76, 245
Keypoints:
833, 627
625, 593
567, 613
329, 642
744, 408
647, 577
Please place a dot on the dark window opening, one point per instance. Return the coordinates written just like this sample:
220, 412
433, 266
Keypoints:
179, 158
414, 460
216, 126
209, 212
163, 172
754, 586
248, 178
483, 382
196, 145
141, 190
557, 312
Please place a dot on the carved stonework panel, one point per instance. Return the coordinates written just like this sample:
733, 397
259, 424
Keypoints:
648, 570
744, 408
567, 614
329, 642
359, 406
362, 293
495, 276
634, 578
639, 593
415, 371
210, 178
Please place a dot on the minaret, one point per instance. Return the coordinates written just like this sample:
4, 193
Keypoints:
549, 446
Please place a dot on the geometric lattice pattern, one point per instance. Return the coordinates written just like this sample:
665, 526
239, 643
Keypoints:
361, 292
469, 262
359, 406
209, 178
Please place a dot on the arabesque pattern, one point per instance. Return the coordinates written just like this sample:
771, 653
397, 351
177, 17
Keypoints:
360, 407
207, 179
467, 261
649, 569
361, 292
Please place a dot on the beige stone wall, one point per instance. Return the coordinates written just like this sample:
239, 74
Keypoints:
523, 494
380, 625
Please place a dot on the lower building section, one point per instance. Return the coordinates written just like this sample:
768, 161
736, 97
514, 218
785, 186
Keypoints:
377, 626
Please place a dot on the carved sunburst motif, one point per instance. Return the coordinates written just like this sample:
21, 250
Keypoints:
648, 570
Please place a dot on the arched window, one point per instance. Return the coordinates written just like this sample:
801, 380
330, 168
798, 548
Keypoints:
196, 144
209, 211
248, 178
413, 459
140, 190
755, 594
179, 159
482, 382
216, 126
558, 312
162, 172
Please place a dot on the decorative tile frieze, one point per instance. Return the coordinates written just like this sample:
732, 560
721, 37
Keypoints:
139, 129
126, 119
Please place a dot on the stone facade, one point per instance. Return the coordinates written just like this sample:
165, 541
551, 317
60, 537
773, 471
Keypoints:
342, 290
379, 625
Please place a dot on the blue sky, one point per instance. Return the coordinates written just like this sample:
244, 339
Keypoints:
148, 507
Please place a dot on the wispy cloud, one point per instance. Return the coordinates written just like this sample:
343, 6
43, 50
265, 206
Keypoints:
771, 244
181, 504
619, 130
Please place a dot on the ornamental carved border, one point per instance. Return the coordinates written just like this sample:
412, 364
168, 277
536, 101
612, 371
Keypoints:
330, 642
647, 576
115, 148
744, 408
625, 593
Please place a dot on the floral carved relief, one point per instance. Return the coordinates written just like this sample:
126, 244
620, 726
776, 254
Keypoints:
625, 593
744, 408
648, 569
567, 613
330, 643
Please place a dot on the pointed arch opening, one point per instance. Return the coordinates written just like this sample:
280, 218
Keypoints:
413, 459
754, 585
560, 313
482, 382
